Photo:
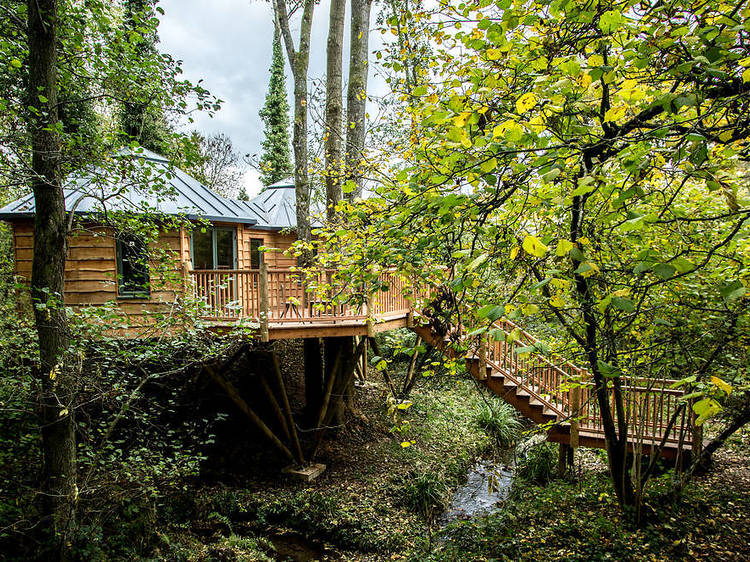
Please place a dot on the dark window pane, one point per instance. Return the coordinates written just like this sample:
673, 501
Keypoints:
203, 249
132, 266
224, 249
255, 255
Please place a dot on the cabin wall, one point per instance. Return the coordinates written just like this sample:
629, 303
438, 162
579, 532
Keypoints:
91, 269
275, 242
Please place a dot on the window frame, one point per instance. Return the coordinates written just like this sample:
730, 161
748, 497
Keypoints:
214, 246
260, 254
141, 292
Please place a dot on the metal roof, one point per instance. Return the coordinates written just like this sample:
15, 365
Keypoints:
177, 194
275, 207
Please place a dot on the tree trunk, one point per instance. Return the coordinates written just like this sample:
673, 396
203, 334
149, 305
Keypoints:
334, 106
356, 98
299, 60
47, 278
616, 444
313, 380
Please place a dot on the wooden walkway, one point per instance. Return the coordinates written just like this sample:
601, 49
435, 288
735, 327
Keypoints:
559, 395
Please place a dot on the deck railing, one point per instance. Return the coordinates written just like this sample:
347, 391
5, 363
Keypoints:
649, 404
287, 296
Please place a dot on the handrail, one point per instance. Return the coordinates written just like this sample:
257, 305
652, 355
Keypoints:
648, 408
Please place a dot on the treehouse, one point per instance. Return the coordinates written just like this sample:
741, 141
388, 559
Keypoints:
230, 257
228, 254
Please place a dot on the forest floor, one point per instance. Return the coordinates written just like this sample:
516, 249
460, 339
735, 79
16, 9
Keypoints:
366, 504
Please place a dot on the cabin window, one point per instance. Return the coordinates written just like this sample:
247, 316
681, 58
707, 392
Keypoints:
214, 248
132, 267
255, 255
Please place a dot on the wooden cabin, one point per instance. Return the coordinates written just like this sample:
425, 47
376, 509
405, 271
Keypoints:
233, 258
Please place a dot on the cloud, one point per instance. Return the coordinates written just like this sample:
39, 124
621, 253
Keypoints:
227, 44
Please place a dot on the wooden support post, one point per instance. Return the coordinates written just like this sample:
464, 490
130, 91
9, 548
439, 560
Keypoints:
275, 406
287, 409
235, 396
575, 405
263, 290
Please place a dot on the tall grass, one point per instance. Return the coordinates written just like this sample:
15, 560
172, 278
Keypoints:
537, 462
500, 420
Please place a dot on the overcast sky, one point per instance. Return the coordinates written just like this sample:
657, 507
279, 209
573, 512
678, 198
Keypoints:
227, 43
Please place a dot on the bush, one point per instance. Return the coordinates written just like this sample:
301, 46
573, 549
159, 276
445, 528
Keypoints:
537, 462
500, 421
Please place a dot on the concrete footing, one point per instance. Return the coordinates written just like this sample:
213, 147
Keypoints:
306, 473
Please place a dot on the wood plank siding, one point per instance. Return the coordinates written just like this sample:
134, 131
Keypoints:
91, 264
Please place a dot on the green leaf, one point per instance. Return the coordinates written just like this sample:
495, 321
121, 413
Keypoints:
491, 312
682, 265
476, 262
420, 91
621, 303
607, 370
348, 187
610, 21
664, 270
732, 291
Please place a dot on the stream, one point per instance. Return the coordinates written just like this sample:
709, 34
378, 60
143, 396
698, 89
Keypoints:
486, 484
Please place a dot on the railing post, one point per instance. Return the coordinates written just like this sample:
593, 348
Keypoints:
575, 405
368, 312
185, 266
482, 358
263, 294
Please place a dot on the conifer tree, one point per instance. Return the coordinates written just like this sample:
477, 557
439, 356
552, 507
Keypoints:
276, 163
139, 118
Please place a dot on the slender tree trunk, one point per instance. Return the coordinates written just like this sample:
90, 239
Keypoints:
47, 278
334, 106
356, 99
299, 60
616, 445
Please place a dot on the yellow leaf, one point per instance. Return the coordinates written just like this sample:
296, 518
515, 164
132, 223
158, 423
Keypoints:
596, 60
726, 136
530, 309
726, 387
514, 252
493, 54
63, 412
489, 165
406, 444
746, 75
533, 246
557, 302
525, 102
563, 247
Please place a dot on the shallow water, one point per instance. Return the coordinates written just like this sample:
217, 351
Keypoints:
486, 485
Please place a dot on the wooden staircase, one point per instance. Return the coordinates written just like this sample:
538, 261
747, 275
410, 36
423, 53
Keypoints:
558, 395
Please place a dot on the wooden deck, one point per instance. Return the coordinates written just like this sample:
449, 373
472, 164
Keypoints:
288, 304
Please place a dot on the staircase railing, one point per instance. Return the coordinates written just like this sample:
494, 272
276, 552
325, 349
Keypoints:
568, 390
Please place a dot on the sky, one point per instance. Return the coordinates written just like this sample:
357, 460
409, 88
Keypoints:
227, 44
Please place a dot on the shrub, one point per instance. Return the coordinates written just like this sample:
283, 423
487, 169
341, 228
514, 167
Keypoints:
500, 421
536, 462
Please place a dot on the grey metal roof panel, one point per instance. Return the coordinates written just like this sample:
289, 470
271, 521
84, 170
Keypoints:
87, 194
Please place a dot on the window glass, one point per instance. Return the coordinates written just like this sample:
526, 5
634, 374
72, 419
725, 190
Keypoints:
255, 255
224, 249
132, 266
203, 250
